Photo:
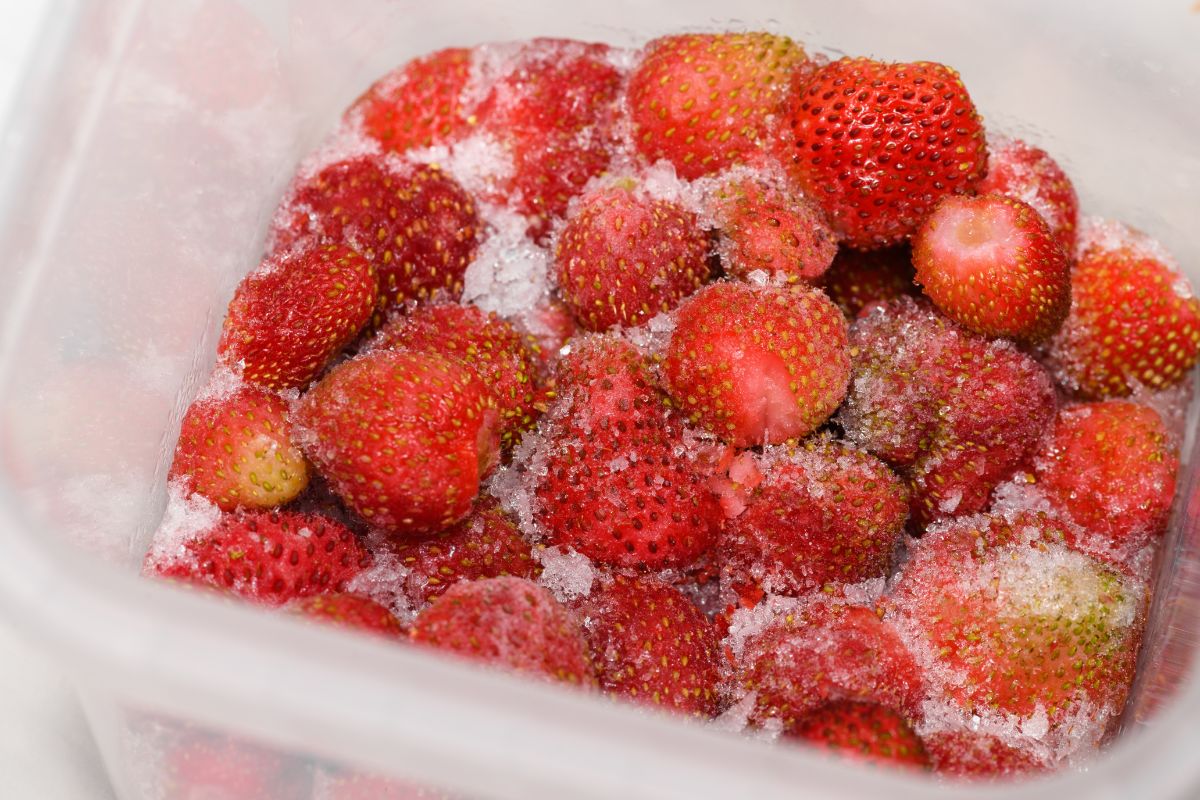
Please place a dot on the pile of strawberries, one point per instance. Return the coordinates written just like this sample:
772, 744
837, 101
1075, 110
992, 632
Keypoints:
829, 415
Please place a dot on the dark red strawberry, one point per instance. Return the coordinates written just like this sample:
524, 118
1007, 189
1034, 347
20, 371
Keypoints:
350, 611
404, 438
876, 145
866, 732
858, 280
758, 364
971, 755
705, 102
292, 315
1023, 172
624, 257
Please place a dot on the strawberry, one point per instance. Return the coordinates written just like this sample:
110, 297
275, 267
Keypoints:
758, 364
403, 437
954, 413
614, 481
624, 257
202, 766
269, 557
416, 225
769, 228
550, 325
1134, 319
705, 102
857, 280
293, 314
236, 450
361, 786
823, 513
972, 755
867, 732
350, 611
510, 623
991, 264
876, 145
652, 645
491, 347
1023, 172
419, 104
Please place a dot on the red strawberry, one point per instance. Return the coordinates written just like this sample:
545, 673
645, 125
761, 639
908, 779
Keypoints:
967, 754
624, 257
418, 104
551, 325
823, 513
866, 732
1133, 321
1023, 172
491, 347
292, 315
876, 145
236, 450
954, 413
758, 364
271, 558
404, 438
510, 623
415, 225
360, 786
350, 611
203, 766
652, 645
615, 482
991, 264
858, 280
705, 102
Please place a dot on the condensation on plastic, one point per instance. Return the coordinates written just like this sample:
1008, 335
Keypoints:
152, 142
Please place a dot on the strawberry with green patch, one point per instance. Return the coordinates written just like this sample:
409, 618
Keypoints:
1023, 172
863, 732
349, 611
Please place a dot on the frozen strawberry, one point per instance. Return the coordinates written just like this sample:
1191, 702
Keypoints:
491, 347
269, 557
615, 482
202, 766
858, 280
510, 623
550, 325
293, 314
733, 476
1023, 172
876, 145
772, 229
954, 413
758, 364
361, 786
404, 438
1134, 319
624, 257
968, 754
651, 644
486, 544
419, 104
705, 102
236, 450
991, 264
866, 732
823, 513
350, 611
415, 225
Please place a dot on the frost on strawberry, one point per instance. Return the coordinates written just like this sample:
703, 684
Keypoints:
863, 732
970, 755
1023, 172
858, 280
349, 611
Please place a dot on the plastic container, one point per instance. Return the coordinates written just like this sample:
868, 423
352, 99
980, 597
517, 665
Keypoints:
150, 145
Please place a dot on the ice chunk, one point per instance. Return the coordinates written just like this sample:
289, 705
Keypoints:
567, 574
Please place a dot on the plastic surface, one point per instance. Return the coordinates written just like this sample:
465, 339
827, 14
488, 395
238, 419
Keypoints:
152, 143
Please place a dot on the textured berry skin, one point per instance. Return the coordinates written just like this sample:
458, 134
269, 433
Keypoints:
652, 645
858, 280
705, 102
1133, 320
974, 756
350, 611
293, 314
1023, 172
623, 258
954, 413
862, 732
617, 484
758, 364
991, 264
509, 623
269, 557
236, 450
876, 145
491, 347
823, 513
418, 104
416, 226
404, 438
772, 229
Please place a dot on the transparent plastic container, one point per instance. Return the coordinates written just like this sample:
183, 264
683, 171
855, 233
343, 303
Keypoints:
151, 143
